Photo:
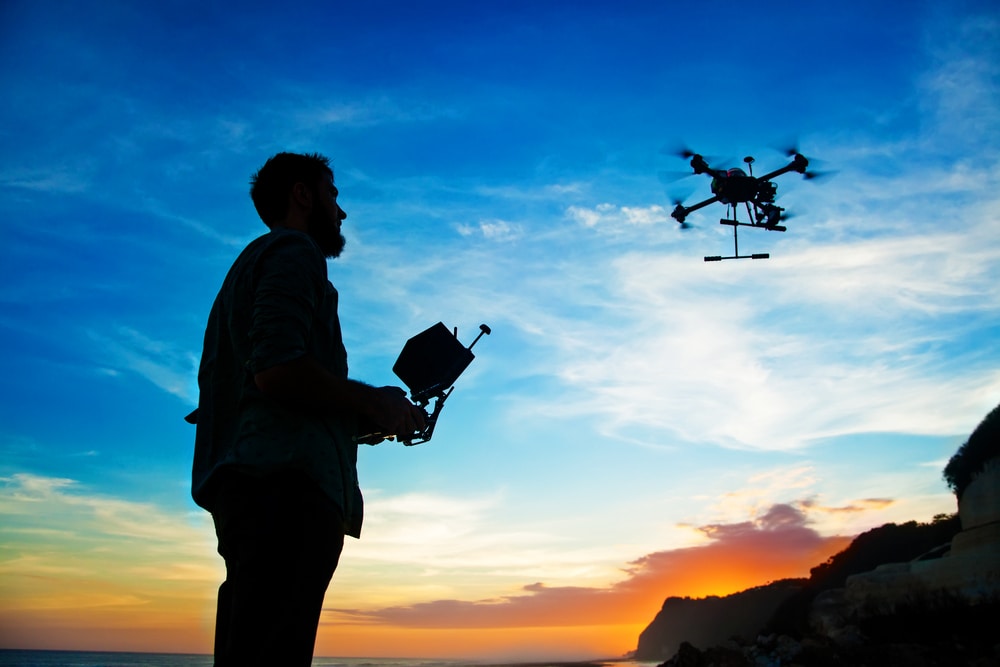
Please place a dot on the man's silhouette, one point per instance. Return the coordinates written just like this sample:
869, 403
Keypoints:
275, 455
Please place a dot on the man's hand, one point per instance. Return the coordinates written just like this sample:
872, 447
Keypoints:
394, 414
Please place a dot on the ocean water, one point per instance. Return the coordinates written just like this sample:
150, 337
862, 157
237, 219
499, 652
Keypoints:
16, 658
19, 658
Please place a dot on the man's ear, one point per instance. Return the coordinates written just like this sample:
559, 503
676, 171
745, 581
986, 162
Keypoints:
302, 195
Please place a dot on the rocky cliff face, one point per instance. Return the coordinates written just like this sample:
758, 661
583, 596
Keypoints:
713, 620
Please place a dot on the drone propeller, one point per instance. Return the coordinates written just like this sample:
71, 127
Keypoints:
680, 193
792, 150
811, 174
678, 204
678, 150
686, 153
788, 146
671, 176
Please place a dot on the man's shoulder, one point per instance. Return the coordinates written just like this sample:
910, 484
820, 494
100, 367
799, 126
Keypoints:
282, 246
284, 239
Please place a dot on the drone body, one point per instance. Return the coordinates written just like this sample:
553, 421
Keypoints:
735, 186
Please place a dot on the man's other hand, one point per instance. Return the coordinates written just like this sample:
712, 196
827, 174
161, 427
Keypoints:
394, 414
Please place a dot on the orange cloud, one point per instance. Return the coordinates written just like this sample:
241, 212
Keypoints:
776, 545
863, 505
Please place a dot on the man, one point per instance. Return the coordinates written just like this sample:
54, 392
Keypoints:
275, 451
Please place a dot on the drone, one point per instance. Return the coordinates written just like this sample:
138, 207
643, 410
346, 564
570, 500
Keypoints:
735, 186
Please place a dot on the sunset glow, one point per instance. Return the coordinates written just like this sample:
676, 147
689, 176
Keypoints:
640, 424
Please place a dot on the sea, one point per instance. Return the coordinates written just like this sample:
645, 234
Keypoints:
25, 658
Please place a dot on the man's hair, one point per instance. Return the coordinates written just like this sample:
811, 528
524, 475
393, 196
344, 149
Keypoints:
272, 184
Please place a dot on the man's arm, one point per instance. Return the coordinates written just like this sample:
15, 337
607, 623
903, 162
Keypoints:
304, 382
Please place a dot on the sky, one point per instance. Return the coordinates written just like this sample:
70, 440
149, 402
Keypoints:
640, 424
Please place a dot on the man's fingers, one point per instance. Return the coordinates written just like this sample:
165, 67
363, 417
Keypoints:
417, 416
399, 415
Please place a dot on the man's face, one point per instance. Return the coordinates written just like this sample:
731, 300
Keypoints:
325, 218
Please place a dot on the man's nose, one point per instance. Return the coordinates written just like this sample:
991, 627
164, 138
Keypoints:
341, 213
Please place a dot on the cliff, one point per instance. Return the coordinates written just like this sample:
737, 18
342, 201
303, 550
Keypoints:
708, 621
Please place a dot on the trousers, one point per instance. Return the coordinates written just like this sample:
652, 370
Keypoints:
281, 539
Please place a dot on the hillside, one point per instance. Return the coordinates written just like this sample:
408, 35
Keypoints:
889, 543
783, 606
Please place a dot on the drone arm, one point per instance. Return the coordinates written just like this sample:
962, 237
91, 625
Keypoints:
778, 172
798, 163
681, 211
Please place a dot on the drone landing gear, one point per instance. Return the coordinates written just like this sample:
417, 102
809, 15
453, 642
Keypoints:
735, 224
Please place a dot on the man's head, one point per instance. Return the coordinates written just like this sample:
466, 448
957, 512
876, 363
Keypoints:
297, 191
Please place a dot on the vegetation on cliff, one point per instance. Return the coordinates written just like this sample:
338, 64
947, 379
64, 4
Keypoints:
890, 543
971, 458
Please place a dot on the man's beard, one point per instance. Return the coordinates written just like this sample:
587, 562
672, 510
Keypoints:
326, 235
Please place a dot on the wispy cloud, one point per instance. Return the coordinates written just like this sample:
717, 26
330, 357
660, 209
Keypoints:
962, 87
58, 525
64, 180
50, 501
373, 109
494, 230
171, 368
611, 218
432, 534
79, 563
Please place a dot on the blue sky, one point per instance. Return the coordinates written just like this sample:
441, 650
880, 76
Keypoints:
503, 163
